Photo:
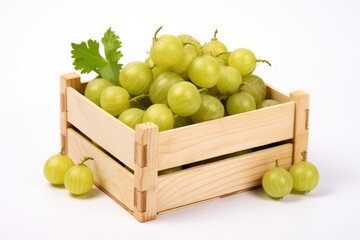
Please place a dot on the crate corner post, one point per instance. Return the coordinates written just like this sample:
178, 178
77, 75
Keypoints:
66, 80
301, 124
146, 172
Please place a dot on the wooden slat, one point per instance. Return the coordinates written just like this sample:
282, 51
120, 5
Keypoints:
301, 128
66, 80
273, 93
145, 171
225, 135
188, 205
196, 184
109, 175
101, 127
206, 200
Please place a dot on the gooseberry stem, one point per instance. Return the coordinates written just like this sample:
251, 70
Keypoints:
276, 163
304, 156
222, 97
84, 160
155, 34
214, 38
223, 53
202, 90
135, 99
62, 151
264, 61
198, 51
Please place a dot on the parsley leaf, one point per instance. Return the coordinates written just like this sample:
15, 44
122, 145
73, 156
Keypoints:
87, 57
111, 44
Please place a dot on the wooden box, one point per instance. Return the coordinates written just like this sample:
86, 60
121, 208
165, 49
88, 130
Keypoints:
128, 162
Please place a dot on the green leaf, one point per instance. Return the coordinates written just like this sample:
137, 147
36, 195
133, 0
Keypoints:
111, 45
110, 72
87, 57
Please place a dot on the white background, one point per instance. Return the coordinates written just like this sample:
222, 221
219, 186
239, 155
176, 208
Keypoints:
313, 45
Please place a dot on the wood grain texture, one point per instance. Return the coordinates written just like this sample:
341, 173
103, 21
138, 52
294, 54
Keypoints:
108, 174
206, 200
101, 127
219, 178
274, 93
301, 124
66, 80
226, 135
146, 171
146, 151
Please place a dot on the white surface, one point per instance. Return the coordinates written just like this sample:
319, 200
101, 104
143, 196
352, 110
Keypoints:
313, 45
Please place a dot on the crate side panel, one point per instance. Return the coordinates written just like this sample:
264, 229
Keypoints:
275, 94
301, 126
109, 175
226, 135
104, 129
220, 178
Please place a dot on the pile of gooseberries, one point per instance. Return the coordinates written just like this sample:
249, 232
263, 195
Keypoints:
182, 82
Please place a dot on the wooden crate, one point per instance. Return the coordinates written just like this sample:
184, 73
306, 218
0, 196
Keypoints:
127, 161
